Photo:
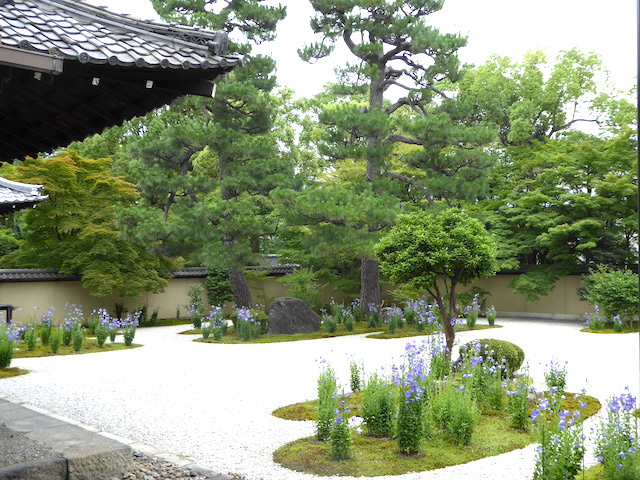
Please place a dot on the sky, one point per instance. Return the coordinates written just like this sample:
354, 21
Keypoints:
503, 27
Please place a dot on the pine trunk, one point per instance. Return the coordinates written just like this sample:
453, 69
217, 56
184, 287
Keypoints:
370, 273
369, 285
240, 288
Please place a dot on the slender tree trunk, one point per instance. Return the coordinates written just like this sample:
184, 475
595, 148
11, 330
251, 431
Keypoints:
237, 278
240, 288
369, 285
446, 314
369, 271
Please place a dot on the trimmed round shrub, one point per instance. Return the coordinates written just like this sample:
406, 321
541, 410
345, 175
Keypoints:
513, 354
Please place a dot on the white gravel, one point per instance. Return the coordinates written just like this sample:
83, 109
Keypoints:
212, 403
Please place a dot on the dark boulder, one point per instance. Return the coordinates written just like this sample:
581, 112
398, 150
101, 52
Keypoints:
291, 315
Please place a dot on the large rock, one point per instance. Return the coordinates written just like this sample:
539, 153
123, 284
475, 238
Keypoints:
291, 315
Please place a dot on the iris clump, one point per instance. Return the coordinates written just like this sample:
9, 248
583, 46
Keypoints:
472, 311
423, 314
217, 324
247, 324
340, 434
72, 321
617, 442
561, 449
129, 324
327, 403
8, 339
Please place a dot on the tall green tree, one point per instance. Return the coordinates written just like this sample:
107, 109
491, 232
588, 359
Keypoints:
394, 46
563, 206
532, 100
438, 253
214, 159
75, 229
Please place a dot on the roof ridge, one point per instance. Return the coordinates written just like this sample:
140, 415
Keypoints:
211, 40
21, 187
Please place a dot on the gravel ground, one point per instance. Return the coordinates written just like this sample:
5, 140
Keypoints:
18, 448
212, 403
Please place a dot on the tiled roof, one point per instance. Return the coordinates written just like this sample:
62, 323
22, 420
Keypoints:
270, 263
32, 275
69, 70
74, 30
15, 195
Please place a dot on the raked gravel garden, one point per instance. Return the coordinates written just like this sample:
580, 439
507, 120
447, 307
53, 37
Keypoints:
212, 402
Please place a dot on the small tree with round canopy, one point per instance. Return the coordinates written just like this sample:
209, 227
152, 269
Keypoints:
437, 253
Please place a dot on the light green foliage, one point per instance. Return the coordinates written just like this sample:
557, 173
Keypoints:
195, 298
218, 286
410, 432
561, 451
453, 411
327, 403
432, 251
507, 353
564, 204
615, 291
617, 445
75, 231
518, 392
532, 100
555, 376
482, 373
341, 433
303, 283
551, 179
101, 333
78, 338
7, 348
355, 377
128, 334
31, 337
55, 340
378, 407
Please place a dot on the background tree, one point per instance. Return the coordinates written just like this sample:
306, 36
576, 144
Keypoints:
75, 229
394, 46
229, 139
564, 206
560, 200
532, 100
437, 253
615, 291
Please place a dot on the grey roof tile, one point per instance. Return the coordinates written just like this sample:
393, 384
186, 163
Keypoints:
38, 275
16, 193
46, 24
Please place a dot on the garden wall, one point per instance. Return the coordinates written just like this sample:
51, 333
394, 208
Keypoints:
562, 303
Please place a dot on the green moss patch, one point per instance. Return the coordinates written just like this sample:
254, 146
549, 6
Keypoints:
89, 346
12, 372
370, 456
380, 456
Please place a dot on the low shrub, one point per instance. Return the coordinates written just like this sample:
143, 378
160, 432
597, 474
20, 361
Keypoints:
7, 346
499, 349
327, 403
377, 407
55, 339
329, 324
